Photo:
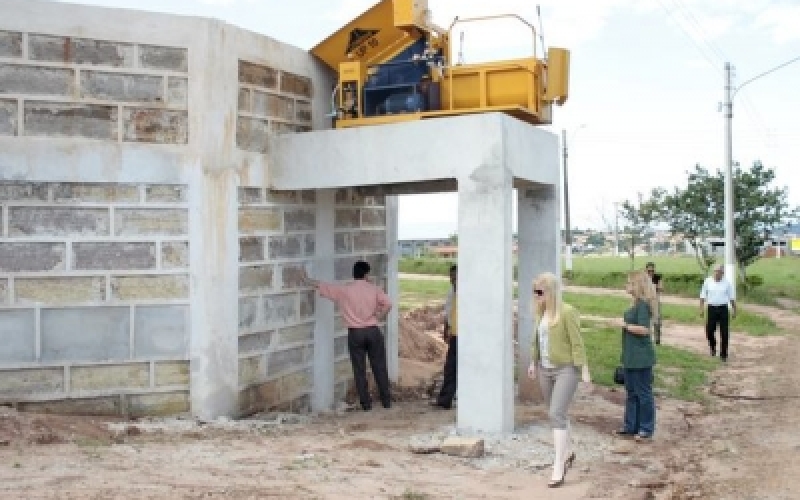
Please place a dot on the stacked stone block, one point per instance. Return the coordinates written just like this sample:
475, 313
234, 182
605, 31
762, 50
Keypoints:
57, 86
276, 309
94, 295
270, 101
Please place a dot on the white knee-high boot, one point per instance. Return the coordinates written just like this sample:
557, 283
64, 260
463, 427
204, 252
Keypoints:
560, 444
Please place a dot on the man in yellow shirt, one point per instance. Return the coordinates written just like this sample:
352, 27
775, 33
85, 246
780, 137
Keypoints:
448, 391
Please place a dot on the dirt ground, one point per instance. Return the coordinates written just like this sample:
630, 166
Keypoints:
744, 444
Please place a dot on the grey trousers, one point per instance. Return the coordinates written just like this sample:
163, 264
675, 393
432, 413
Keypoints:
558, 388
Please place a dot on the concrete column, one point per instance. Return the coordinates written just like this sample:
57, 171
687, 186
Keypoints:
485, 354
538, 222
393, 285
323, 269
213, 229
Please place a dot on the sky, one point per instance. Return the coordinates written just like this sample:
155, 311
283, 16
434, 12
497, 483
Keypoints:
646, 82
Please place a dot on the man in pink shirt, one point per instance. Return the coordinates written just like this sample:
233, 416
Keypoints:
362, 303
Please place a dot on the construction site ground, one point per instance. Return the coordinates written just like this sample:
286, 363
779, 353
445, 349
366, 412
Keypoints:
744, 443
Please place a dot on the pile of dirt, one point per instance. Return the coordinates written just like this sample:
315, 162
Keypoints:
421, 334
38, 429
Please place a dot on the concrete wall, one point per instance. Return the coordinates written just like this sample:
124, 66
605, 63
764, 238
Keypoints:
143, 267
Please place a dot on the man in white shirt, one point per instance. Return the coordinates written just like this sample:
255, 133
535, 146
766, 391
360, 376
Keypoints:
716, 295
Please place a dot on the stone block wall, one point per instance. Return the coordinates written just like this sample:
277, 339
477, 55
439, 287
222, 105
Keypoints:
270, 101
94, 297
59, 86
359, 233
276, 310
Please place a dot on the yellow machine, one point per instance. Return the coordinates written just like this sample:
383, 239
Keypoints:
395, 65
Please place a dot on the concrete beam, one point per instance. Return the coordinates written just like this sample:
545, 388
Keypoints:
485, 354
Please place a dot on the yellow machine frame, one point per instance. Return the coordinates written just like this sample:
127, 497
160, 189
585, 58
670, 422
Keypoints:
525, 88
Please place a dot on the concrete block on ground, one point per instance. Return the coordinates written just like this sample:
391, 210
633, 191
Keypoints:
158, 404
108, 377
23, 191
8, 117
279, 310
90, 121
253, 220
151, 222
465, 447
103, 406
31, 381
10, 44
17, 335
296, 84
116, 255
166, 193
122, 88
80, 51
171, 373
17, 257
140, 287
35, 80
169, 58
261, 76
85, 334
175, 254
424, 444
257, 342
58, 221
60, 290
255, 278
161, 331
80, 192
156, 126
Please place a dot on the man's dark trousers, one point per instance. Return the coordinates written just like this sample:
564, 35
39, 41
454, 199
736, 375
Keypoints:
363, 342
449, 384
718, 315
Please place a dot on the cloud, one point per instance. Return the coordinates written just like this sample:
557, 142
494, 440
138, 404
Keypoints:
782, 21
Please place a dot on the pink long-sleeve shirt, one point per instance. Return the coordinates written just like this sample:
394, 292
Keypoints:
360, 302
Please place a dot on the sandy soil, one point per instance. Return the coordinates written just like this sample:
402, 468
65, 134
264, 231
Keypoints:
743, 444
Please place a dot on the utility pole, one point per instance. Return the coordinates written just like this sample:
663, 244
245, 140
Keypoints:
616, 229
567, 232
730, 238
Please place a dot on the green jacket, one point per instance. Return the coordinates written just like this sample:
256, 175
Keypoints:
565, 342
637, 350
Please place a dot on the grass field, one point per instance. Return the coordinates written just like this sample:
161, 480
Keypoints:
682, 275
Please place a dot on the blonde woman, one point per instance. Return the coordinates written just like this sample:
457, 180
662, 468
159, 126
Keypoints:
559, 361
638, 358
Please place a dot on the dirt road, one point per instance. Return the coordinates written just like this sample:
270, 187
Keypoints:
743, 445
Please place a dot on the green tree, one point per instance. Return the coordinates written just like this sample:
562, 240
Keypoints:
638, 218
697, 211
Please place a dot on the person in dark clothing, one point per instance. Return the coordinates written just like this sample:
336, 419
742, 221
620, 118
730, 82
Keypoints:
449, 385
362, 304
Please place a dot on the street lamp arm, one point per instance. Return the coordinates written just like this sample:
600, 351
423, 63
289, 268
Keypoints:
776, 68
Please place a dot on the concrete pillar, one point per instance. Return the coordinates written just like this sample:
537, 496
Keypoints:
538, 223
322, 396
485, 354
213, 231
393, 290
